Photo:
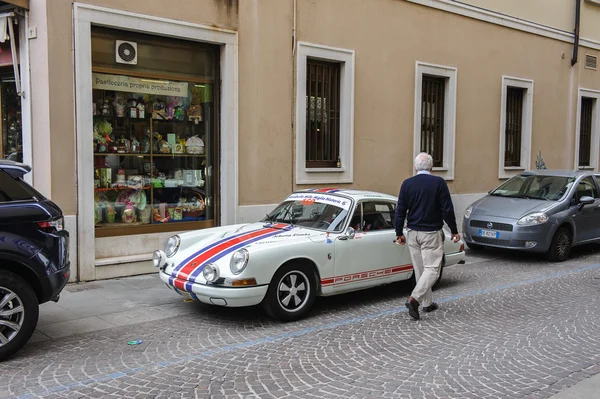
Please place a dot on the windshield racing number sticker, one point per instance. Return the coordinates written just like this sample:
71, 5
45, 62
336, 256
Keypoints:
310, 198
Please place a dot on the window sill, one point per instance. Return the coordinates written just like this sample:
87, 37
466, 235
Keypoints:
514, 168
586, 167
440, 169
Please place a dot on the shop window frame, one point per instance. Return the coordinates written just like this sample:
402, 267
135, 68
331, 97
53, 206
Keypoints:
85, 16
108, 230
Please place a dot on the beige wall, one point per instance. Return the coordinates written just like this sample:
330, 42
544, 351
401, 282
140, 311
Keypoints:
387, 45
265, 107
590, 21
483, 53
559, 14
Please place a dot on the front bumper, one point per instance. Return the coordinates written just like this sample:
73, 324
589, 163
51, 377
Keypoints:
510, 235
222, 296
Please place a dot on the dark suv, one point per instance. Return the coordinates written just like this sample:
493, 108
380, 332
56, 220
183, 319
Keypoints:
34, 256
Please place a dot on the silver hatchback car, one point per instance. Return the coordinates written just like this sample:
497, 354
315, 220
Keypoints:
545, 211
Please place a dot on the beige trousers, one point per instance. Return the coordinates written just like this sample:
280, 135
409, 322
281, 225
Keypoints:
426, 250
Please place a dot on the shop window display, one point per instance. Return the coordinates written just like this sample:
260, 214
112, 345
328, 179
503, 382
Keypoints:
154, 132
11, 146
152, 157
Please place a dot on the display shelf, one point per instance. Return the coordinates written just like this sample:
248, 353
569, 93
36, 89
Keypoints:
180, 155
176, 121
122, 118
104, 189
120, 224
125, 154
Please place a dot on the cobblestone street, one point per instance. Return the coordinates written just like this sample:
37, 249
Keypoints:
508, 326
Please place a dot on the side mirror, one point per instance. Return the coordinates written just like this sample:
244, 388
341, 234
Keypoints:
583, 201
349, 235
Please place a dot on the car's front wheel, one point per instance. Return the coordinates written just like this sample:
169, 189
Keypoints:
291, 292
19, 312
560, 248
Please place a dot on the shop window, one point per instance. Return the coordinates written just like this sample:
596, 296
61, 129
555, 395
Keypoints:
11, 145
155, 136
322, 114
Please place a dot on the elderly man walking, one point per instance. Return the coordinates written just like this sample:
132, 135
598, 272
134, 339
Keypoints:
427, 201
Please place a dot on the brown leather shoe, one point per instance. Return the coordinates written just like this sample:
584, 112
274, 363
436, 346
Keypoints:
431, 308
413, 308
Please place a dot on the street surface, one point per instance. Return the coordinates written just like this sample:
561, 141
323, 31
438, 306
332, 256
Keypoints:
509, 326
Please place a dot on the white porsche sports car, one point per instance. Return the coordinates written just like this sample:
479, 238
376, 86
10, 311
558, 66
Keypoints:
314, 243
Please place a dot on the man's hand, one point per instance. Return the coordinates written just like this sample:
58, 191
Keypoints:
401, 240
455, 238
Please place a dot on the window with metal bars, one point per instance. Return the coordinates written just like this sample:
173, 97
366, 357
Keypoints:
322, 114
433, 99
585, 131
514, 126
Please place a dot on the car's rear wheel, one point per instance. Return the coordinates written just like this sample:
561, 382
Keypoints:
412, 281
291, 292
437, 282
19, 312
560, 248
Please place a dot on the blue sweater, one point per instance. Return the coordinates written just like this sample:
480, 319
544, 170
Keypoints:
427, 201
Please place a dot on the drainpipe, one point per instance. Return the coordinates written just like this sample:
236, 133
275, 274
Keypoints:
294, 83
294, 32
577, 20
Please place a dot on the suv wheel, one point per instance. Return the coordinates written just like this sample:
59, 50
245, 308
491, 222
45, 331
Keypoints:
18, 313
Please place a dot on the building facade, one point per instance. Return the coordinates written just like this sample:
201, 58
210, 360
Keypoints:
142, 120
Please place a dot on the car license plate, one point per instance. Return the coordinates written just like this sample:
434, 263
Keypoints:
489, 234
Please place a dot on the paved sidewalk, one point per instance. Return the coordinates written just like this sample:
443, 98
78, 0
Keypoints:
585, 389
100, 305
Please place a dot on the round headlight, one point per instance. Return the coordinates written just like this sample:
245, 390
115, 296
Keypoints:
172, 246
533, 219
157, 258
468, 212
210, 273
239, 260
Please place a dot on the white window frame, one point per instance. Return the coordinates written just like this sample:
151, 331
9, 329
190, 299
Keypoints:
505, 172
346, 57
595, 143
451, 75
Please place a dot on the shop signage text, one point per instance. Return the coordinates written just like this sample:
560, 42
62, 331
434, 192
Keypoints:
137, 85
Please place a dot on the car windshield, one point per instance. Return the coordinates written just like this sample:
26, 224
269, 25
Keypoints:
549, 188
316, 211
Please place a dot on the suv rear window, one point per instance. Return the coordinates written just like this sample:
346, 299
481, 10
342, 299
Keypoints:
14, 189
